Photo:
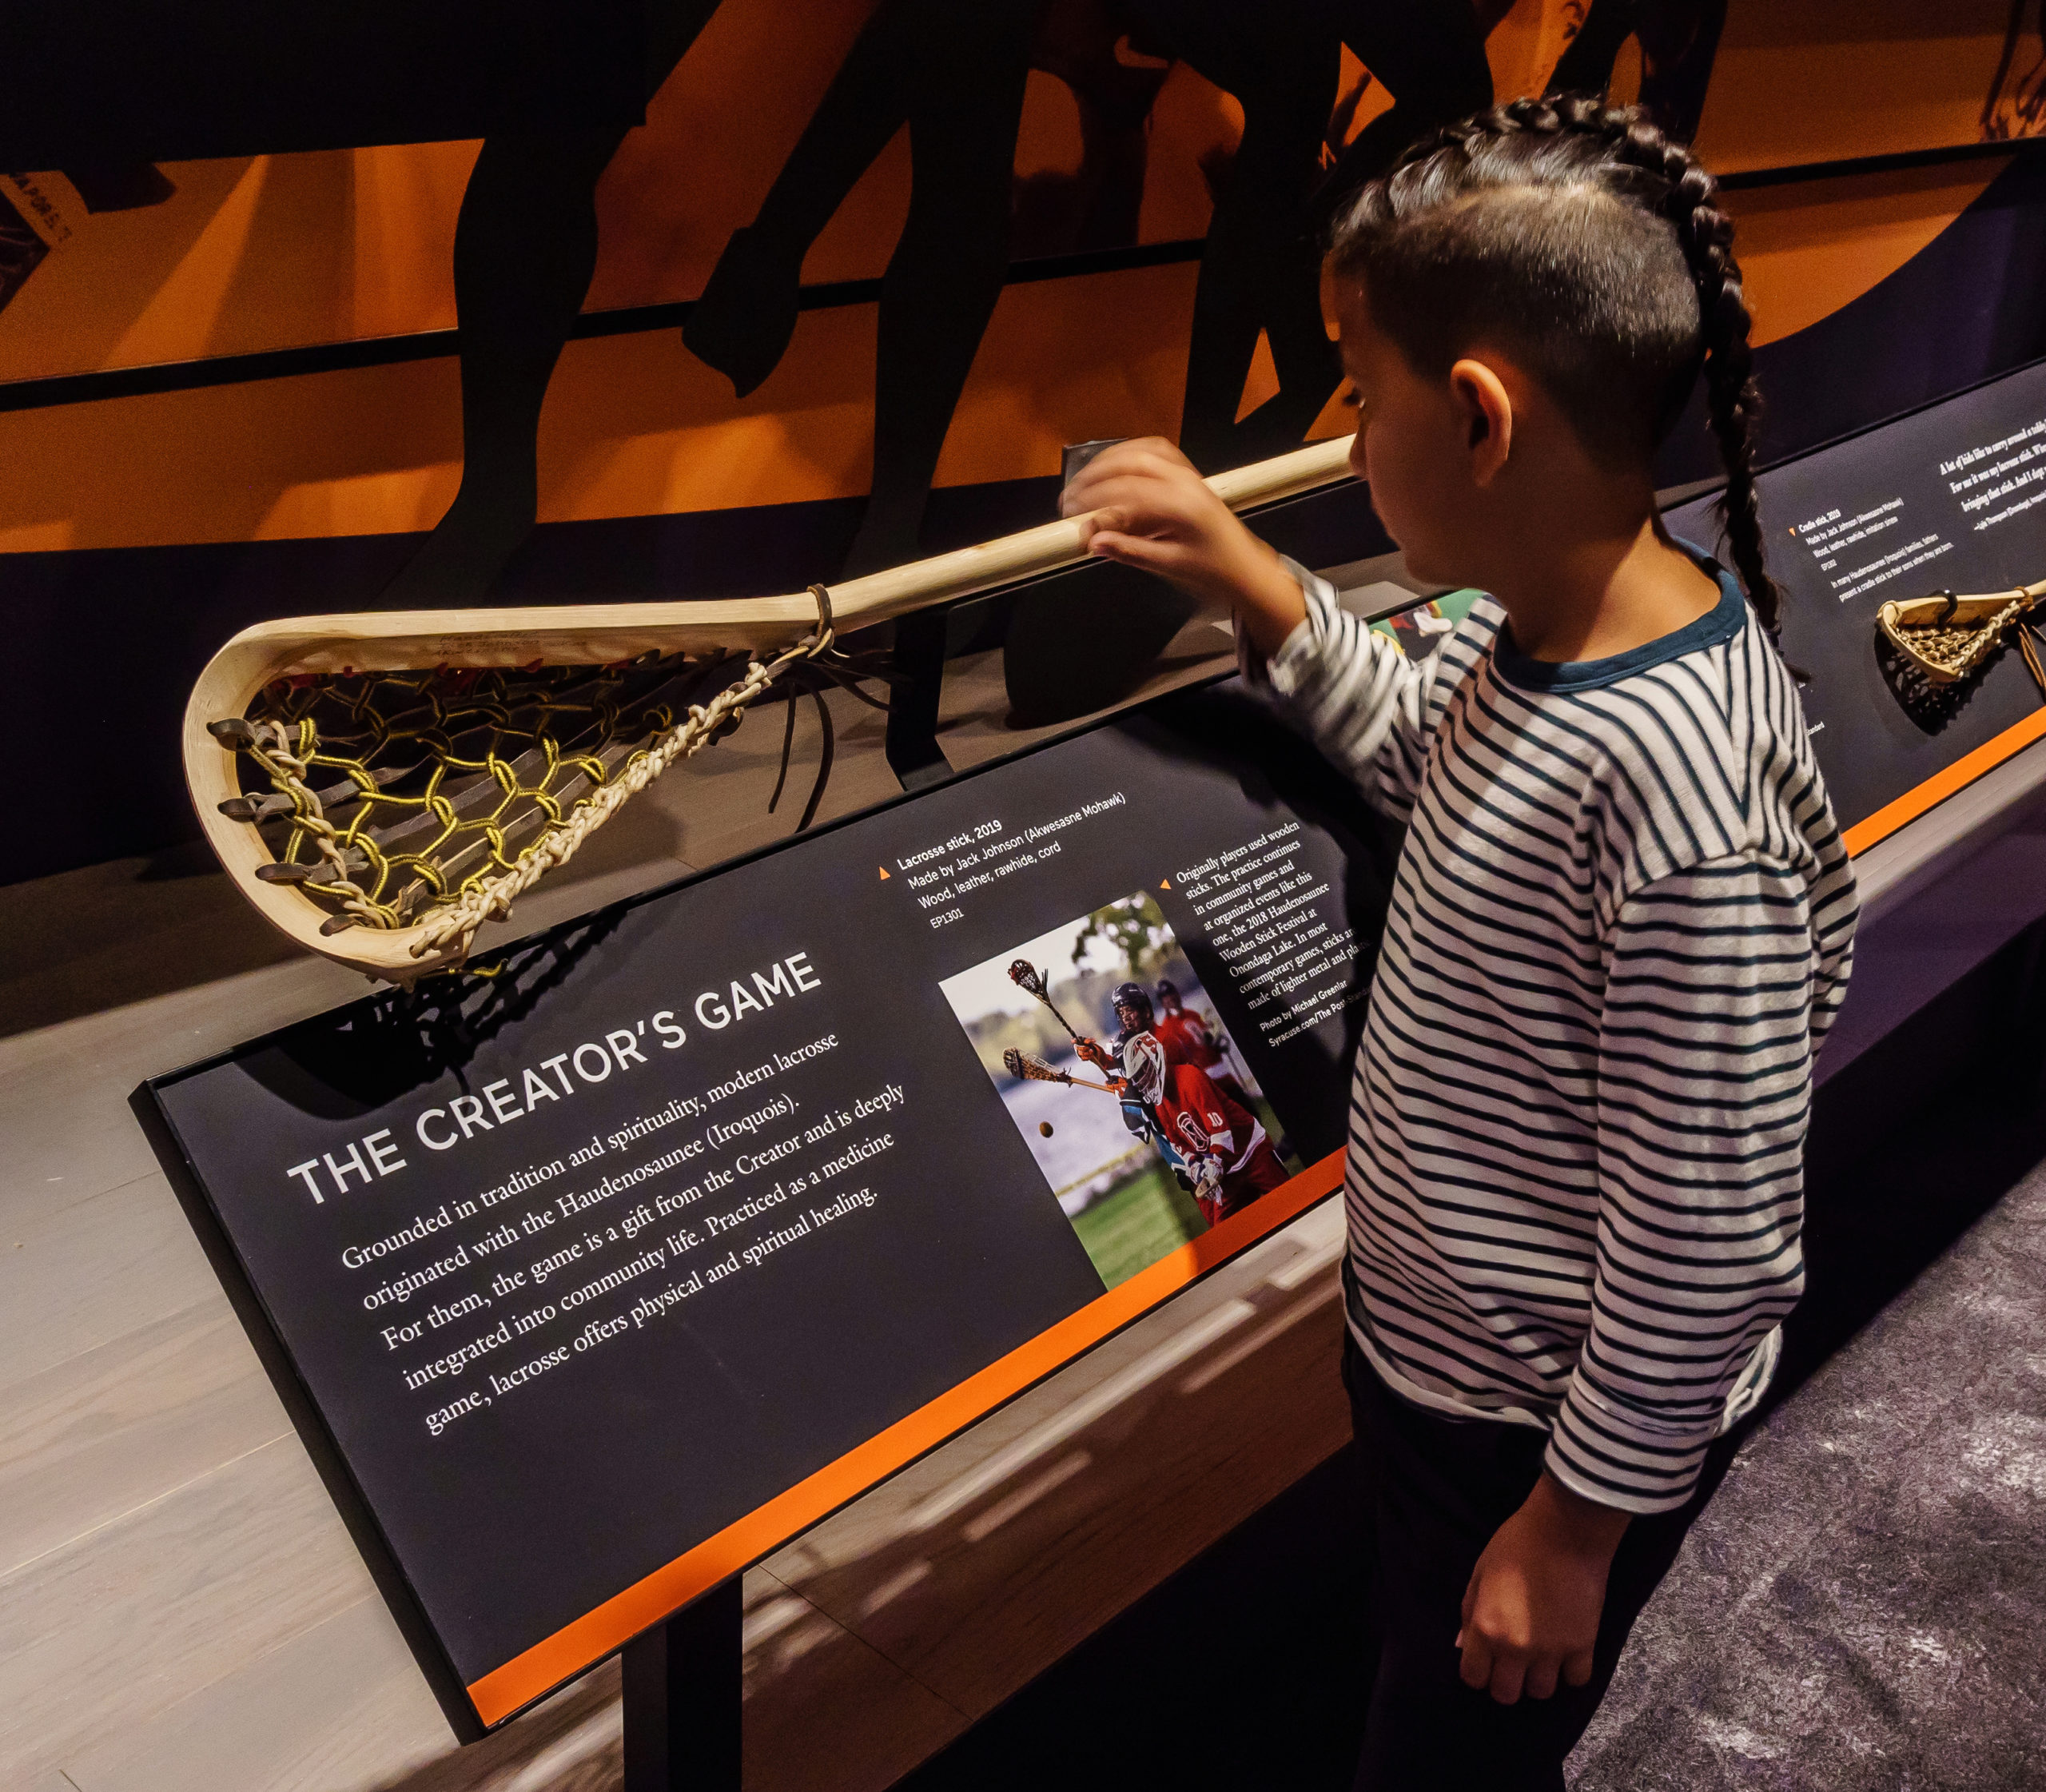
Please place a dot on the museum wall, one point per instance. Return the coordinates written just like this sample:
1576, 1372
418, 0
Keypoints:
242, 307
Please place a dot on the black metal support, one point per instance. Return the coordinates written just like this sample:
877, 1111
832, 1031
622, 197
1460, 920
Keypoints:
682, 1726
911, 744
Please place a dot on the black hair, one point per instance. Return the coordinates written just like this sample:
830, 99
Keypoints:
1579, 236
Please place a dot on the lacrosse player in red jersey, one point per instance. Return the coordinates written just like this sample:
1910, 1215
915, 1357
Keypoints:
1228, 1159
1188, 1040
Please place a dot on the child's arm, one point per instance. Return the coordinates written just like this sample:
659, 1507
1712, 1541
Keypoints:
1531, 1614
1369, 707
1704, 1093
1151, 509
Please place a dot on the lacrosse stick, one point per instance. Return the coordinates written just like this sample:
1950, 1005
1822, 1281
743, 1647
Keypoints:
1027, 978
1946, 637
380, 785
1028, 1067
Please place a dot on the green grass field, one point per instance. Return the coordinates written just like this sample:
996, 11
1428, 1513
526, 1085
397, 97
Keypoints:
1136, 1223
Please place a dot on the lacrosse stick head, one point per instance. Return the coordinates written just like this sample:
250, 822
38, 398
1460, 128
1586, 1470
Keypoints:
1026, 977
1943, 637
1028, 1067
379, 795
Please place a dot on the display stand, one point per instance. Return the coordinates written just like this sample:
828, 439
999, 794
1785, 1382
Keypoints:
682, 1685
851, 970
915, 688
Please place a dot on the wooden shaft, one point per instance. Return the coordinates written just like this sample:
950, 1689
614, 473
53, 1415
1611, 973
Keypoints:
598, 634
1072, 1081
1935, 607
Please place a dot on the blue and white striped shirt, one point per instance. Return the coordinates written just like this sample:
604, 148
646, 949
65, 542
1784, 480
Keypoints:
1622, 924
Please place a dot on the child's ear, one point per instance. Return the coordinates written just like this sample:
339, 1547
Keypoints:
1481, 397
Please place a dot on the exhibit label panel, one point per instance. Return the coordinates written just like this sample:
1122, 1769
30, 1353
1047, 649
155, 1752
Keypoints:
604, 1276
1951, 497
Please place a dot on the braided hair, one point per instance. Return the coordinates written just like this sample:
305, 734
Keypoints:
1580, 236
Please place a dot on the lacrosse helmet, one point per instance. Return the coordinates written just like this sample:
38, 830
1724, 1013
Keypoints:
1132, 1002
1143, 1063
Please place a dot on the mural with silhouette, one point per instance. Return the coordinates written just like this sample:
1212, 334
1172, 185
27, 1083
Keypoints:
1319, 95
954, 76
2015, 105
525, 248
1679, 41
1260, 270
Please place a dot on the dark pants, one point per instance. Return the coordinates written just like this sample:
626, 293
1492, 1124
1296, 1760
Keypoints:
1435, 1489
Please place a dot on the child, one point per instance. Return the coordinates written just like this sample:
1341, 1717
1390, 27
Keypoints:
1621, 926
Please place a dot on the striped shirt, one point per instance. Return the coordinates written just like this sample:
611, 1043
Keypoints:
1621, 926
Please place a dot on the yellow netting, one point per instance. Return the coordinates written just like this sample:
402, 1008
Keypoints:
436, 781
1954, 649
1930, 655
433, 798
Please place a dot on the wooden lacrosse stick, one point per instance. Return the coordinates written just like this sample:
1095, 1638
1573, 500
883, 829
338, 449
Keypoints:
1029, 1067
1027, 978
248, 707
1947, 637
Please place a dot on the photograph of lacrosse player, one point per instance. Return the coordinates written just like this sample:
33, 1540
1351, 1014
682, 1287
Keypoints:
1142, 1116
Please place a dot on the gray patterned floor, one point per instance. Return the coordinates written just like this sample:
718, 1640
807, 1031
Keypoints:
1863, 1605
1862, 1608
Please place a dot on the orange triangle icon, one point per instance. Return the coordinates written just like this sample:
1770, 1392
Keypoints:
884, 874
1164, 883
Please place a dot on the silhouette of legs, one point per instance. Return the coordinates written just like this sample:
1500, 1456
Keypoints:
1679, 43
525, 247
1430, 54
742, 323
1586, 66
1261, 267
1260, 270
1081, 43
944, 278
955, 74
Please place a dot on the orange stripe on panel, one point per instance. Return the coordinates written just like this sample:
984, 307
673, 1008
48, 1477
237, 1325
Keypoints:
618, 1619
1936, 789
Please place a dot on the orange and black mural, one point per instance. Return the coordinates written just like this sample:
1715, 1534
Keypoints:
327, 307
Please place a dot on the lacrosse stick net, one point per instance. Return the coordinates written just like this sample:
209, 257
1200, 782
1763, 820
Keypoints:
437, 798
379, 785
1028, 1067
1945, 638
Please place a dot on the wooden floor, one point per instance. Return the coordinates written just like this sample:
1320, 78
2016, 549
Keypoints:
180, 1607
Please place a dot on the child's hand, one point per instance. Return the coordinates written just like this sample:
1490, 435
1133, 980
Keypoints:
1152, 510
1531, 1611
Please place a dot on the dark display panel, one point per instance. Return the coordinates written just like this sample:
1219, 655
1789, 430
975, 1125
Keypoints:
1953, 497
582, 1264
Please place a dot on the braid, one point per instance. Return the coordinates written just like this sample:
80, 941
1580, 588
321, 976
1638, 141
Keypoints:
1732, 403
1648, 364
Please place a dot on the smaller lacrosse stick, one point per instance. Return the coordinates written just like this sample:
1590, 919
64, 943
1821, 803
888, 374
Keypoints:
1946, 636
1027, 1067
1026, 977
